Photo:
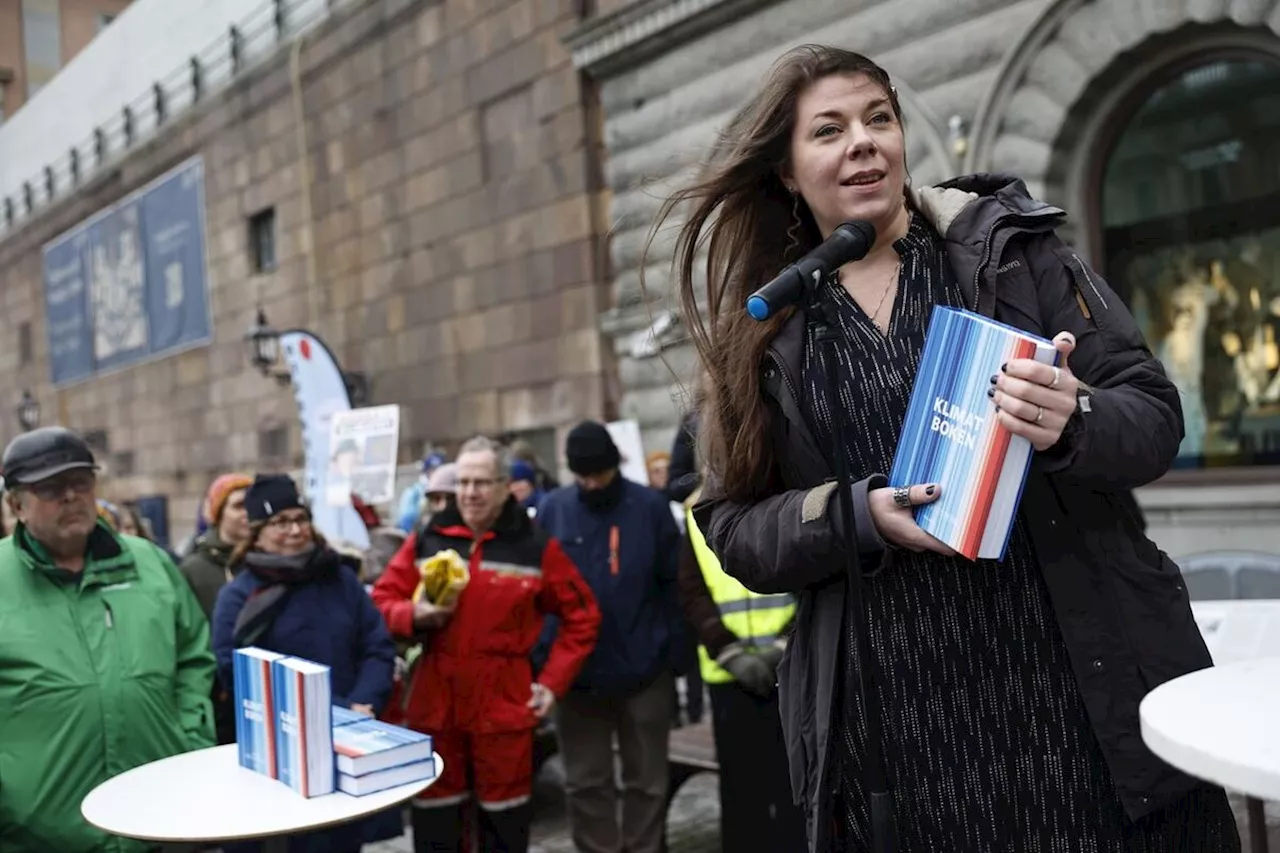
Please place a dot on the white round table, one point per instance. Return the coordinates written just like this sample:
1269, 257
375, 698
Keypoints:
170, 801
1221, 724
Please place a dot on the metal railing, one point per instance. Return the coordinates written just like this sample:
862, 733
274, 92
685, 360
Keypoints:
241, 47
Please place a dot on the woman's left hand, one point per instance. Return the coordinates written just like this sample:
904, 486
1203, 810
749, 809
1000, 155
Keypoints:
367, 710
1036, 400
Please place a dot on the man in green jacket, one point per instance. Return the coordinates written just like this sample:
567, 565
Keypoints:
104, 653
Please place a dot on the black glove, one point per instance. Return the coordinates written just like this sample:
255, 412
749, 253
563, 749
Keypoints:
772, 654
749, 669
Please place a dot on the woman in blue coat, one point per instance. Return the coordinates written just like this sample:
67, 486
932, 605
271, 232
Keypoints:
296, 596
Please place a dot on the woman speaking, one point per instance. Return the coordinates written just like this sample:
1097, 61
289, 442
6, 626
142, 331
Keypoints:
1009, 690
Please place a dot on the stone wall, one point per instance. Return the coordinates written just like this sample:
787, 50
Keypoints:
669, 84
454, 222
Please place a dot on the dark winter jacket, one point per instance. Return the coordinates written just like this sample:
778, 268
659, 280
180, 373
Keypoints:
205, 569
331, 621
640, 626
683, 476
1119, 601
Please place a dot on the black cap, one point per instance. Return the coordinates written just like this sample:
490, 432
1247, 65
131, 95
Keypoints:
271, 494
590, 449
44, 453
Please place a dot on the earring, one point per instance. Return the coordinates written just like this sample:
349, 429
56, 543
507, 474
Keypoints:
793, 233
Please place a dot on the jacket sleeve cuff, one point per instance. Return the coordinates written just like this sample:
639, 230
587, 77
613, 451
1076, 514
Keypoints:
400, 619
869, 541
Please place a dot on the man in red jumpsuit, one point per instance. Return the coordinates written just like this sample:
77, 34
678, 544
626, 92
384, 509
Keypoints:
472, 689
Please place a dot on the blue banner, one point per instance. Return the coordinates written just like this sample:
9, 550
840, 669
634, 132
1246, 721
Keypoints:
129, 284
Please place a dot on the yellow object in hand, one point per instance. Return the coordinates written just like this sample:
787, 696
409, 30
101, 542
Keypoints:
444, 576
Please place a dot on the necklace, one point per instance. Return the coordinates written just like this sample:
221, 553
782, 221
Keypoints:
893, 276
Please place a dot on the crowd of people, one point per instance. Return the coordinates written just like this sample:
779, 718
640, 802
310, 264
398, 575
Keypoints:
572, 618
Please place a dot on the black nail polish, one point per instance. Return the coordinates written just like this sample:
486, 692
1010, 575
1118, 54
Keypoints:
993, 379
991, 392
929, 491
1004, 368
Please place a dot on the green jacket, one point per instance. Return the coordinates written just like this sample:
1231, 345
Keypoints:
99, 673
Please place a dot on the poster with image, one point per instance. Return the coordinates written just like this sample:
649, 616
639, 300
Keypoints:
363, 446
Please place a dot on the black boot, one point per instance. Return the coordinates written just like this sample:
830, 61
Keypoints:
437, 830
506, 830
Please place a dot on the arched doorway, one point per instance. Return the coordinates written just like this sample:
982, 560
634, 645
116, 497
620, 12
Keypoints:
1188, 228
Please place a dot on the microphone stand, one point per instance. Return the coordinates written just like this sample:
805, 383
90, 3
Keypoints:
875, 777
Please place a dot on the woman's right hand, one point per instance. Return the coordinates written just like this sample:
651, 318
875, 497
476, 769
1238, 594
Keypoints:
897, 524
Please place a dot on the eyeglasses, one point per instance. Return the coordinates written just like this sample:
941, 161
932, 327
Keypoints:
54, 488
302, 522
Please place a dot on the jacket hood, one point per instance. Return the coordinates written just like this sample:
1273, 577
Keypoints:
961, 202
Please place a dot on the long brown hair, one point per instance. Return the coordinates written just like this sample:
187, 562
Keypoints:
743, 214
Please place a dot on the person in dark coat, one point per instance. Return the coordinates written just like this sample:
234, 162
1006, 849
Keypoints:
207, 572
624, 540
296, 596
1009, 690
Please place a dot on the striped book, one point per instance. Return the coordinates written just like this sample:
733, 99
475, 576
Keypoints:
345, 716
304, 735
255, 709
952, 437
372, 745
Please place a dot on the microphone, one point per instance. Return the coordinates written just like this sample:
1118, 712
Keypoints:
849, 242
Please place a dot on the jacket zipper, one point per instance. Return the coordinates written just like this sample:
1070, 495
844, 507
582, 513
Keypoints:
987, 243
786, 377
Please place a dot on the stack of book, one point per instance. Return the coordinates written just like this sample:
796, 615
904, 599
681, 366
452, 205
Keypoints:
288, 728
283, 719
373, 756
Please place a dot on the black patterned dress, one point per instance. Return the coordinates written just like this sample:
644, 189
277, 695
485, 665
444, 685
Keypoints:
988, 745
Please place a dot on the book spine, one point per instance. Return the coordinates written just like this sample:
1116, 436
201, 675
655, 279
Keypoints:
990, 461
240, 692
284, 726
268, 718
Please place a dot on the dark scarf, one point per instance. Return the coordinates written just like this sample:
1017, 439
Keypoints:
278, 574
603, 500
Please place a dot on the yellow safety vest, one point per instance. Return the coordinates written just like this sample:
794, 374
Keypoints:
756, 619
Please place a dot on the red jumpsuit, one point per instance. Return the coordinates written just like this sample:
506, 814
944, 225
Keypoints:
471, 686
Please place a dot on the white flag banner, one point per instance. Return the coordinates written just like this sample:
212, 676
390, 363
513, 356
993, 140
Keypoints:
320, 393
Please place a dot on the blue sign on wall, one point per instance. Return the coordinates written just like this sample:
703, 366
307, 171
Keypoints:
129, 284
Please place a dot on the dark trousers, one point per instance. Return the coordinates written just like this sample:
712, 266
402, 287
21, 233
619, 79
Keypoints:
586, 725
756, 810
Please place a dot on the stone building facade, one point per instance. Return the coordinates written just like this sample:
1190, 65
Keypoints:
1152, 122
448, 248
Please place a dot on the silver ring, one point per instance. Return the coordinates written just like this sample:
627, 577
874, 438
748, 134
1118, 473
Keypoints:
1039, 414
1057, 374
902, 496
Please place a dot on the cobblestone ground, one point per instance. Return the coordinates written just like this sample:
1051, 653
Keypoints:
694, 824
